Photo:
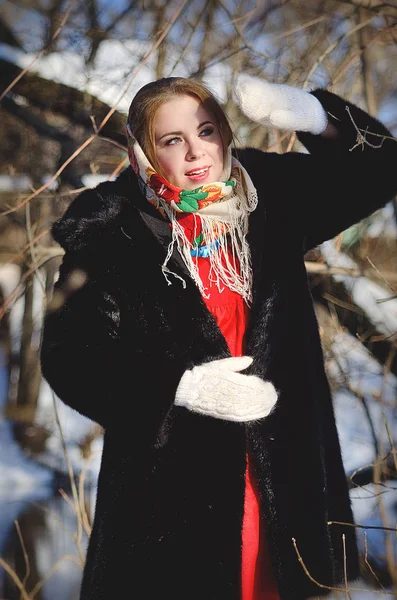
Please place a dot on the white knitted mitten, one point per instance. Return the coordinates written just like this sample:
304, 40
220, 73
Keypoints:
279, 105
218, 390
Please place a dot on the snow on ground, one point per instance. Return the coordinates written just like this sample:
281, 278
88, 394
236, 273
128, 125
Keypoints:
362, 593
22, 481
383, 223
56, 545
75, 427
19, 475
354, 363
365, 292
365, 408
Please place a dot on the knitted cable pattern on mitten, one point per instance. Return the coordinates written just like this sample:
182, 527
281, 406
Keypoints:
279, 105
218, 390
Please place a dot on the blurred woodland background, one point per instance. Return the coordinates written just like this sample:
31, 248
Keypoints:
68, 72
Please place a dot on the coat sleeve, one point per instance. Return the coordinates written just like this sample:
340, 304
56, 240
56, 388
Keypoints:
341, 179
351, 175
88, 363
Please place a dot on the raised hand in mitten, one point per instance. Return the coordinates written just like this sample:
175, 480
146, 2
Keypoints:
279, 105
217, 389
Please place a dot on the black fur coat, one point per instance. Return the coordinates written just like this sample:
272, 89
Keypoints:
170, 497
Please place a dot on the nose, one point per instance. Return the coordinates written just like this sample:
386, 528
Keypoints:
194, 150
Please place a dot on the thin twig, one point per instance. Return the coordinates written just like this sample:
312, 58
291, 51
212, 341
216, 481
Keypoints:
332, 47
67, 499
357, 55
345, 566
25, 554
324, 587
368, 563
241, 35
86, 523
317, 267
32, 248
53, 569
15, 578
327, 587
382, 528
40, 54
188, 41
71, 478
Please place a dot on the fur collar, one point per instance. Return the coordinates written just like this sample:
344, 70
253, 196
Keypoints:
99, 210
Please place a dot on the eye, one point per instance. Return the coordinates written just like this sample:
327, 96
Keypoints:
172, 141
207, 131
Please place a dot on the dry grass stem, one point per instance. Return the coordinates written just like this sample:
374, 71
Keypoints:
368, 563
15, 579
25, 554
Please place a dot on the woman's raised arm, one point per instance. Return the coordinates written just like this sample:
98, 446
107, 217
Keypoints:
350, 170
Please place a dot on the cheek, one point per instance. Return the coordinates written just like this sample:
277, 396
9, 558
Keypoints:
218, 149
218, 154
167, 164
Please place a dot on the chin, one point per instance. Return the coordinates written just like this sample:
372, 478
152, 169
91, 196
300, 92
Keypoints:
192, 185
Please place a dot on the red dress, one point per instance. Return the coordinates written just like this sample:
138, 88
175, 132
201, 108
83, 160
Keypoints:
257, 579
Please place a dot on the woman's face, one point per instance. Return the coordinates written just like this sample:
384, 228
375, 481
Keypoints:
188, 144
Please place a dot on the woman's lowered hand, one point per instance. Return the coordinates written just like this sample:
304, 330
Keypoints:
218, 389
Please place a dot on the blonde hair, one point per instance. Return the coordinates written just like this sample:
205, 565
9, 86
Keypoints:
150, 97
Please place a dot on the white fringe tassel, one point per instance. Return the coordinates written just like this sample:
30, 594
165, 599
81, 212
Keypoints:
233, 271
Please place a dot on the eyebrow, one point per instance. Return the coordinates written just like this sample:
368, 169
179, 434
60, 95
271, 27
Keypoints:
181, 132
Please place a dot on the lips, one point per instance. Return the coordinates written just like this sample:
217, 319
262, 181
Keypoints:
198, 173
192, 171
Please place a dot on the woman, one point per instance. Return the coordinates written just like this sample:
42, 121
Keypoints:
194, 343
